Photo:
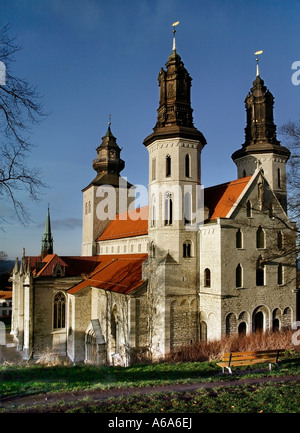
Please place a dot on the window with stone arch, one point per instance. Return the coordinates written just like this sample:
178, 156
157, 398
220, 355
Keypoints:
260, 238
187, 208
207, 277
187, 165
152, 250
239, 276
187, 249
153, 211
59, 310
278, 178
279, 240
249, 209
168, 209
114, 326
260, 272
168, 165
239, 239
280, 274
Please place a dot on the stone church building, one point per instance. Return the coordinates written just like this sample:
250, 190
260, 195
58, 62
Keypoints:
193, 265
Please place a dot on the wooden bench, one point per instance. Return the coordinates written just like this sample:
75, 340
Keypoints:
235, 359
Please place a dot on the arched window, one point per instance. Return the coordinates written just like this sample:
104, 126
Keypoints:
114, 330
187, 165
59, 309
151, 249
260, 273
187, 209
153, 211
238, 276
187, 249
168, 209
244, 173
249, 209
280, 274
280, 240
207, 280
278, 178
239, 239
168, 165
153, 168
260, 238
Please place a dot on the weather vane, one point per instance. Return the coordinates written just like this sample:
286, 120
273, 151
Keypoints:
109, 119
174, 31
257, 53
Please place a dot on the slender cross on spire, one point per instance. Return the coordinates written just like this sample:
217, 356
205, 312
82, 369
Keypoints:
257, 53
109, 119
174, 31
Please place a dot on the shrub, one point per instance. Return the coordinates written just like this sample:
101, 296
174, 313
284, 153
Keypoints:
214, 349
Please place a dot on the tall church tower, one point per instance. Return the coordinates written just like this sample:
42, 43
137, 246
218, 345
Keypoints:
107, 194
172, 268
174, 164
261, 147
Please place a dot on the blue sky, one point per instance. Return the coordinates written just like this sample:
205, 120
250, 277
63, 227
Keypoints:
90, 58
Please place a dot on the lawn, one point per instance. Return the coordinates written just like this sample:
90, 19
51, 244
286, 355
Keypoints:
37, 380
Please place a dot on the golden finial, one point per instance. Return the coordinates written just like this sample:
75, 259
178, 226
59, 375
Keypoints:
174, 31
257, 53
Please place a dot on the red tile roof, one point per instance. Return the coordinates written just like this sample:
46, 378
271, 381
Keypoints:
5, 294
118, 273
73, 266
220, 198
127, 224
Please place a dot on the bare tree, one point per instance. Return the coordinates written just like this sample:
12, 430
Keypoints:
20, 109
291, 134
3, 256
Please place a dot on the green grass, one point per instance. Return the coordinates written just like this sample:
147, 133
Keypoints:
37, 379
268, 398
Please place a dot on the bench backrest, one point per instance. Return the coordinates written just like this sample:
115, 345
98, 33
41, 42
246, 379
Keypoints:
234, 356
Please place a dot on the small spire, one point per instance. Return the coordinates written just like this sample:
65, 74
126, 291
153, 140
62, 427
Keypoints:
257, 59
16, 266
108, 132
174, 31
47, 240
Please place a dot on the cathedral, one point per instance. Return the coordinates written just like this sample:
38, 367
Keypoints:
193, 265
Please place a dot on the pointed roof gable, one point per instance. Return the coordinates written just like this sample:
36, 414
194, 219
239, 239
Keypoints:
220, 199
73, 266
